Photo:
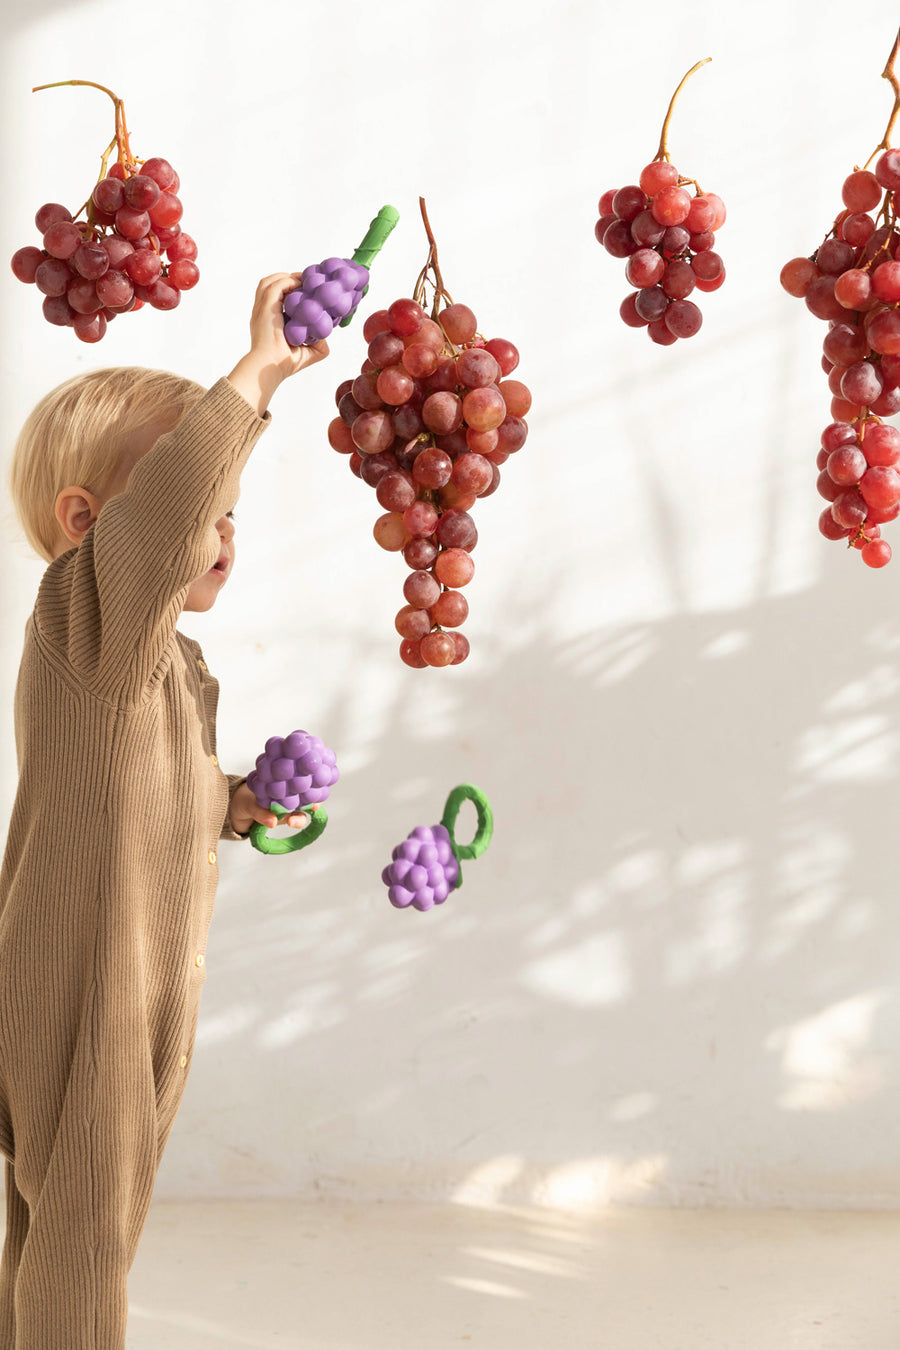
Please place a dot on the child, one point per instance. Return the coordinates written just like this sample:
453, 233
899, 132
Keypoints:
125, 481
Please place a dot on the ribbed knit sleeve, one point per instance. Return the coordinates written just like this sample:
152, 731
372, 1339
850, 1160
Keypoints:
109, 607
228, 831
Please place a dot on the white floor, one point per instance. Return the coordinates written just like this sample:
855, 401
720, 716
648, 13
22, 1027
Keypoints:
328, 1276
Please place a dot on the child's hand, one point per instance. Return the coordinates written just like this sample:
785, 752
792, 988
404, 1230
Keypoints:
245, 811
270, 359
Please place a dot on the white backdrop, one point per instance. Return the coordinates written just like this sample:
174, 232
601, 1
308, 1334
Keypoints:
674, 975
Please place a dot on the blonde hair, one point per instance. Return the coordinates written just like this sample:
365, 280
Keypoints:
80, 434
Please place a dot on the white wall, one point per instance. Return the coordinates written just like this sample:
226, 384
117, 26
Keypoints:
674, 975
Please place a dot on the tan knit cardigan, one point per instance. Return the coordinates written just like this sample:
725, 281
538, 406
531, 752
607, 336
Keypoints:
108, 881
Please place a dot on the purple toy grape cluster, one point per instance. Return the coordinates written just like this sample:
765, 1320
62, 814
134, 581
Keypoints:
293, 771
424, 869
327, 293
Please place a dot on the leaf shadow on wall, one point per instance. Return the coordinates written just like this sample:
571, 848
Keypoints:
672, 975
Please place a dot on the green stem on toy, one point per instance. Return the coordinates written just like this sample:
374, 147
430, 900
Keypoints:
376, 236
259, 834
467, 793
371, 246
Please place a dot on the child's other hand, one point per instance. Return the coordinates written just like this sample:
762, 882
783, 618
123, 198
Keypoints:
271, 359
245, 811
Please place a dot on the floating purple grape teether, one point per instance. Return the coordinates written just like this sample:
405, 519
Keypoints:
292, 772
426, 866
330, 291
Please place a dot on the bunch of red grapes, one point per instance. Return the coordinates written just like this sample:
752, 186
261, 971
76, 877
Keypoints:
852, 283
128, 251
427, 423
667, 235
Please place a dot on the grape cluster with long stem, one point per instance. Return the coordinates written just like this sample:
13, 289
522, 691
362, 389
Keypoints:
667, 236
129, 249
427, 423
852, 283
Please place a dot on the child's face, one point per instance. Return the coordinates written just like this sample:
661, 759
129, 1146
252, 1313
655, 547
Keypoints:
204, 592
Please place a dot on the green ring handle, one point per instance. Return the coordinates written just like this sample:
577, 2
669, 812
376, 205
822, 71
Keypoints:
259, 834
371, 246
467, 793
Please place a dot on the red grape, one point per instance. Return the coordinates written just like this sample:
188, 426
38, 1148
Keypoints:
405, 317
798, 275
450, 609
658, 175
25, 262
411, 654
438, 648
390, 532
876, 553
453, 567
459, 323
422, 588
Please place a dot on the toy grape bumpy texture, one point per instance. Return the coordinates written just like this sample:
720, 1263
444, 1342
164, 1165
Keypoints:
427, 424
330, 291
667, 236
128, 251
852, 283
426, 867
293, 772
327, 294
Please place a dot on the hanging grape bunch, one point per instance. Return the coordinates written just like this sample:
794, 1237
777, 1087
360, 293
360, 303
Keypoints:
129, 249
852, 283
667, 236
427, 423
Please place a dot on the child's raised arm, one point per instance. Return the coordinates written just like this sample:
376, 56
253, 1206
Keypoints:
111, 607
270, 360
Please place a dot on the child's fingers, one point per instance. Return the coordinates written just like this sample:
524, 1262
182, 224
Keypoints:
308, 355
318, 350
297, 821
277, 279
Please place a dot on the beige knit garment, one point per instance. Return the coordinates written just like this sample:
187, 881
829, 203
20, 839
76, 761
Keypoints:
107, 885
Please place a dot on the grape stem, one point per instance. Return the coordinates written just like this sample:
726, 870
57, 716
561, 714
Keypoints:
662, 152
121, 140
431, 265
890, 75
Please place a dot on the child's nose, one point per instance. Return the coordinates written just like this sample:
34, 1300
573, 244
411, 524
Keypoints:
225, 528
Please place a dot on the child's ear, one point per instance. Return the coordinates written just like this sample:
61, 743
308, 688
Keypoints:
76, 510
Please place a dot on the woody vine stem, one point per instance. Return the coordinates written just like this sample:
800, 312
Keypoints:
120, 142
890, 75
431, 265
662, 152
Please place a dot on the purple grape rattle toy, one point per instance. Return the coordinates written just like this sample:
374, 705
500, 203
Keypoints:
331, 290
426, 867
292, 772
